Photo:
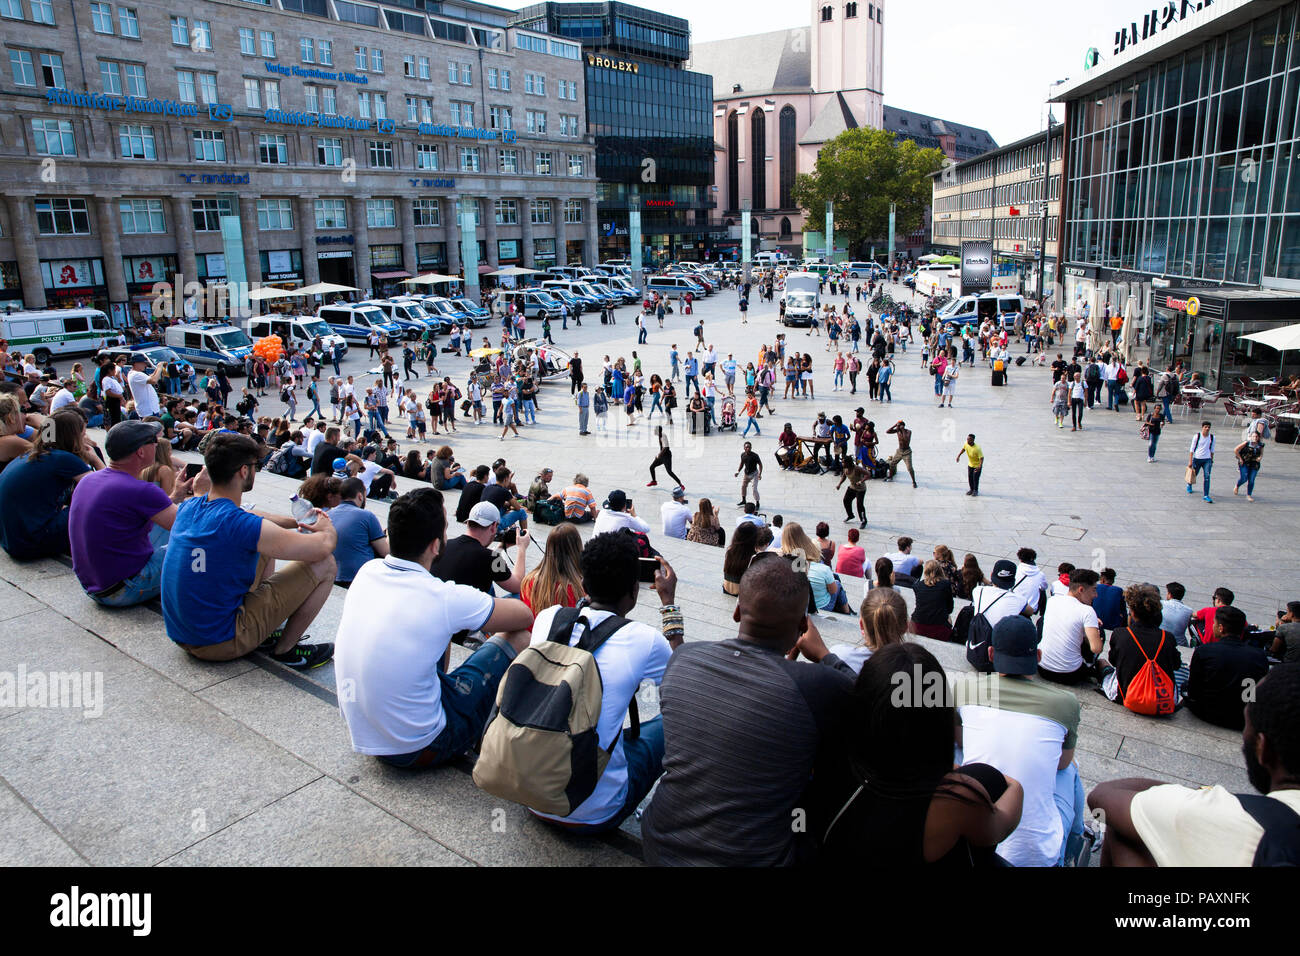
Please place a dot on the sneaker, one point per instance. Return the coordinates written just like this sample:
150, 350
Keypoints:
1189, 489
1149, 460
651, 484
1208, 500
304, 657
271, 641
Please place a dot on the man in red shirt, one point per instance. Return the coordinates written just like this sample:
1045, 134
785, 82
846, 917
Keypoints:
1204, 618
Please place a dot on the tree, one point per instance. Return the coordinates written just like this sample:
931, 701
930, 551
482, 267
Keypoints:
862, 171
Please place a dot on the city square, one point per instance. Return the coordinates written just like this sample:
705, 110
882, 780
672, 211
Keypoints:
730, 191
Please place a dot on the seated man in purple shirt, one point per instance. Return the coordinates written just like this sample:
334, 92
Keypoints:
118, 524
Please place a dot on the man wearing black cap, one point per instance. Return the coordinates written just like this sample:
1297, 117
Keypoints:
142, 385
1028, 731
118, 525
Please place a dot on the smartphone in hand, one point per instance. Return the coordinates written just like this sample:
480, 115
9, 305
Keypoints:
192, 470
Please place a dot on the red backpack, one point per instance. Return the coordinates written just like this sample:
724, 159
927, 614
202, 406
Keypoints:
1152, 691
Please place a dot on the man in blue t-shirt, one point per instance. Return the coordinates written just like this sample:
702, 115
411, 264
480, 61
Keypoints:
222, 597
361, 537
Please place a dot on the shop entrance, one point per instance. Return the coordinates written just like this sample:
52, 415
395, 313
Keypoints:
336, 267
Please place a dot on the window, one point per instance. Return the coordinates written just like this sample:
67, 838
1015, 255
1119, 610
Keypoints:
577, 164
307, 49
466, 75
508, 160
426, 156
501, 117
535, 83
311, 98
573, 210
271, 94
328, 103
247, 41
569, 90
505, 80
363, 104
536, 121
53, 138
329, 152
326, 50
408, 66
202, 36
208, 213
462, 114
52, 70
381, 154
252, 94
208, 87
180, 31
209, 146
137, 142
381, 213
274, 214
828, 14
141, 216
462, 207
376, 60
422, 67
507, 212
43, 12
426, 110
540, 210
381, 106
110, 76
331, 213
428, 212
57, 216
412, 109
542, 163
101, 16
492, 77
135, 85
268, 43
362, 58
568, 124
20, 64
469, 159
272, 149
185, 86
851, 11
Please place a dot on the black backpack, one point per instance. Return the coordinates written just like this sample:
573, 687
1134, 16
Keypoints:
1280, 844
979, 638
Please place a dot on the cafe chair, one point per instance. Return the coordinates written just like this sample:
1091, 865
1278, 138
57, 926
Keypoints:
1231, 410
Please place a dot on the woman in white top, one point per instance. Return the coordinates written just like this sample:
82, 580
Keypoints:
1078, 394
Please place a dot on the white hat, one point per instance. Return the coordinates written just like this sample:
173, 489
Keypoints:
484, 514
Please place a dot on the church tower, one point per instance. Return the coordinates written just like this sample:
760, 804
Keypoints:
847, 53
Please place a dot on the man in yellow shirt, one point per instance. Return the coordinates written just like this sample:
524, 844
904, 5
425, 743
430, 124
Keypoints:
974, 464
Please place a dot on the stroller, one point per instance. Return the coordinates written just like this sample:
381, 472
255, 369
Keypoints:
728, 422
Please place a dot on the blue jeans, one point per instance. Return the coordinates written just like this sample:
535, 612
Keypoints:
530, 411
751, 424
711, 400
1151, 447
1070, 804
641, 336
468, 695
1246, 476
146, 584
1112, 391
455, 481
655, 403
1202, 466
511, 518
1165, 404
645, 762
676, 371
839, 378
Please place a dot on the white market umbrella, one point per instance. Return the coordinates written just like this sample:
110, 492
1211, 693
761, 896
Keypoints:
515, 271
1284, 339
326, 288
430, 278
273, 293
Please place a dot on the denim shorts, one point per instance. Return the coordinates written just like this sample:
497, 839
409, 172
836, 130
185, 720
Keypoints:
144, 585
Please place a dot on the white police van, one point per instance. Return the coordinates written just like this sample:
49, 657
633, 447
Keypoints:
208, 345
52, 332
295, 331
358, 321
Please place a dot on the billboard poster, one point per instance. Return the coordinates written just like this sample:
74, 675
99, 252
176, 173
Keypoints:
976, 267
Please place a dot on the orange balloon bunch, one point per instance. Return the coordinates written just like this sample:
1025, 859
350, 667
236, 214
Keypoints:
269, 349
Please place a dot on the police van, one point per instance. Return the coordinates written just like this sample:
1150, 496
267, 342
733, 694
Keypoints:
533, 303
295, 331
208, 345
52, 332
358, 321
408, 314
674, 286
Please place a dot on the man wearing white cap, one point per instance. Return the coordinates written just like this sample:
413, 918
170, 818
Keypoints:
468, 559
142, 385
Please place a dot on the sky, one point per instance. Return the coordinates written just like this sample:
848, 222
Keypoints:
985, 63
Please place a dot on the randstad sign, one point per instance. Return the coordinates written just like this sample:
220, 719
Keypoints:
1157, 20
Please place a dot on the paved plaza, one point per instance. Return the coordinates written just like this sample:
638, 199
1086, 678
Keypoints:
193, 763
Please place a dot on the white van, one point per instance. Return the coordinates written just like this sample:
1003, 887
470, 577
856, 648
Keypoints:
801, 298
52, 332
534, 303
973, 309
863, 270
353, 321
295, 331
208, 345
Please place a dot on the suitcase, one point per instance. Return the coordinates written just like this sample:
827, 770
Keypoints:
999, 379
1020, 361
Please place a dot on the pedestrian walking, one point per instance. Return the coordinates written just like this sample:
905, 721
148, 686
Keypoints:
752, 465
974, 465
1200, 460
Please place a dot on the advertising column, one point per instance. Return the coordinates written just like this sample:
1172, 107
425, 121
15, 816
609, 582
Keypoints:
561, 237
526, 230
489, 234
830, 230
452, 219
593, 233
469, 251
232, 244
250, 244
746, 217
634, 239
29, 263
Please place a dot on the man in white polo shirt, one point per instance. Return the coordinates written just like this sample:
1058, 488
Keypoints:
142, 385
676, 515
397, 624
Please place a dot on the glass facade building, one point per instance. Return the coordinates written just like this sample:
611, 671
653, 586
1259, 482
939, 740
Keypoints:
652, 122
1182, 182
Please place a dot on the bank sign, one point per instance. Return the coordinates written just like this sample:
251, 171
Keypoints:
1157, 20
